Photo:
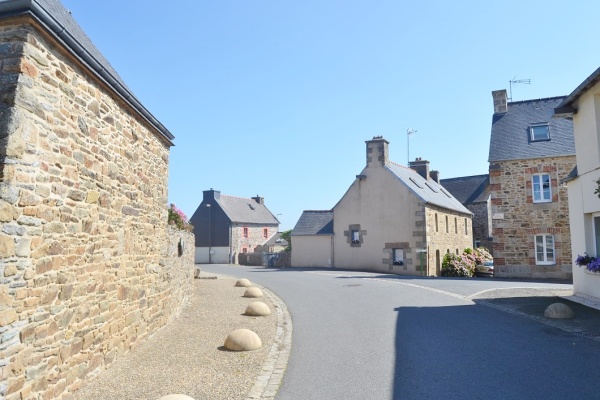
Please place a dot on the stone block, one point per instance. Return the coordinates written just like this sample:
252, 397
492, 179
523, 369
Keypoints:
7, 246
8, 212
7, 317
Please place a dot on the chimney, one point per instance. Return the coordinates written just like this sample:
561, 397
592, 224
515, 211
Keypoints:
209, 195
435, 175
500, 101
377, 151
421, 167
259, 200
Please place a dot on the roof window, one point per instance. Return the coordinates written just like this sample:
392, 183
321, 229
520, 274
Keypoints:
539, 132
431, 187
443, 191
416, 184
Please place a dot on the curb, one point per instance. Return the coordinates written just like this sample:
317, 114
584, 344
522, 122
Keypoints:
269, 380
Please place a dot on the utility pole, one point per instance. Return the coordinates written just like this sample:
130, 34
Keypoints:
409, 132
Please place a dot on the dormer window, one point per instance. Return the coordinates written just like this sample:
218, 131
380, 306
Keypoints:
539, 132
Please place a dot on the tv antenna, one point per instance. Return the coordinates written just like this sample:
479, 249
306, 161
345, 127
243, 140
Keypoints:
409, 132
514, 80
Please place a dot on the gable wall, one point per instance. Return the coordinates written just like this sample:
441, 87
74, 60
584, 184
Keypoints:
516, 219
88, 267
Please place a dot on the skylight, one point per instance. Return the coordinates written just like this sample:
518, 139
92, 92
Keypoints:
416, 184
446, 193
431, 187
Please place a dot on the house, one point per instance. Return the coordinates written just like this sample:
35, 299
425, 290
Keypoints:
89, 266
583, 181
529, 153
225, 226
275, 244
312, 239
392, 219
474, 193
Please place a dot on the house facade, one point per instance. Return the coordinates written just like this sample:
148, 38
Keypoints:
225, 226
393, 219
583, 107
474, 193
89, 265
312, 239
529, 153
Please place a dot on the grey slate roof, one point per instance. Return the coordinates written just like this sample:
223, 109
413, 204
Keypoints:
314, 222
565, 108
510, 138
468, 189
429, 191
276, 240
60, 24
246, 210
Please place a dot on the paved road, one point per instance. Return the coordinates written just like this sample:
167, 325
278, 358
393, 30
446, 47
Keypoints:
370, 336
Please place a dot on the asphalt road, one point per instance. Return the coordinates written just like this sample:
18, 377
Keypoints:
369, 336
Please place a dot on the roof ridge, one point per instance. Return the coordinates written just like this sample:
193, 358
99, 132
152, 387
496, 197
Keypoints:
237, 197
464, 177
400, 165
540, 99
318, 211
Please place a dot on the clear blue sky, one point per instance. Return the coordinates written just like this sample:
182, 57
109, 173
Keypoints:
277, 98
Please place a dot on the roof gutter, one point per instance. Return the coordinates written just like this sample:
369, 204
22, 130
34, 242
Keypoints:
32, 7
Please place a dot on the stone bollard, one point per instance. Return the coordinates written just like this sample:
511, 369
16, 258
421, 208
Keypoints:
253, 292
257, 309
559, 311
176, 397
243, 340
243, 283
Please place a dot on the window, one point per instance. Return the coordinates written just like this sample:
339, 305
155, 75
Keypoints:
456, 251
541, 188
436, 223
466, 231
447, 224
455, 225
544, 249
539, 132
355, 237
265, 233
398, 257
597, 234
245, 232
477, 243
244, 250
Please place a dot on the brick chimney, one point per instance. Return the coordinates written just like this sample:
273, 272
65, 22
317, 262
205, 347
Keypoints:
377, 151
211, 194
259, 200
421, 167
435, 175
500, 101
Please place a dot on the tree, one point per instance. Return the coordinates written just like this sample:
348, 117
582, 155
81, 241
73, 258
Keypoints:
286, 235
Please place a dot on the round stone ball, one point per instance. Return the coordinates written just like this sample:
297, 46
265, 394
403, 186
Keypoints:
559, 311
176, 397
253, 292
243, 340
258, 309
243, 283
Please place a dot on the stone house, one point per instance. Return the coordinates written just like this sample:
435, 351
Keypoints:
89, 266
529, 153
392, 219
582, 106
275, 244
474, 193
225, 226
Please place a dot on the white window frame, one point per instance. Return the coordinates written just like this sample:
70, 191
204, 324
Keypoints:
596, 233
540, 185
547, 248
398, 256
532, 130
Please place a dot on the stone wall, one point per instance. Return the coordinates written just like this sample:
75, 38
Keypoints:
88, 263
447, 235
517, 219
482, 227
255, 238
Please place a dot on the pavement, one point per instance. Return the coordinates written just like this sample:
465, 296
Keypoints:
169, 362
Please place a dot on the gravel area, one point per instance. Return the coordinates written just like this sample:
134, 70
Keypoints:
187, 356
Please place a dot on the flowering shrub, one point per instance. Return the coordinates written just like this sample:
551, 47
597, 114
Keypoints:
178, 218
465, 264
591, 263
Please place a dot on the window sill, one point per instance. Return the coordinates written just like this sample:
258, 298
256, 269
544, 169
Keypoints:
587, 271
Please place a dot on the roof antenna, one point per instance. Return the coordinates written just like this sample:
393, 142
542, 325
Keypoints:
409, 132
515, 80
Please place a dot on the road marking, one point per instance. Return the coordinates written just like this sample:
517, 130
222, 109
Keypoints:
458, 296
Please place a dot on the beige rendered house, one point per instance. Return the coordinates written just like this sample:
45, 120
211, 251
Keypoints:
583, 107
392, 219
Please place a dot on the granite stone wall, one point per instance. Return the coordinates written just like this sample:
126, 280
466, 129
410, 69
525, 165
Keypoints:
254, 238
517, 219
88, 264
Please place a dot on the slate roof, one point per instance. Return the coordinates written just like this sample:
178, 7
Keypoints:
243, 210
273, 240
468, 189
510, 138
566, 107
61, 24
429, 191
314, 222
